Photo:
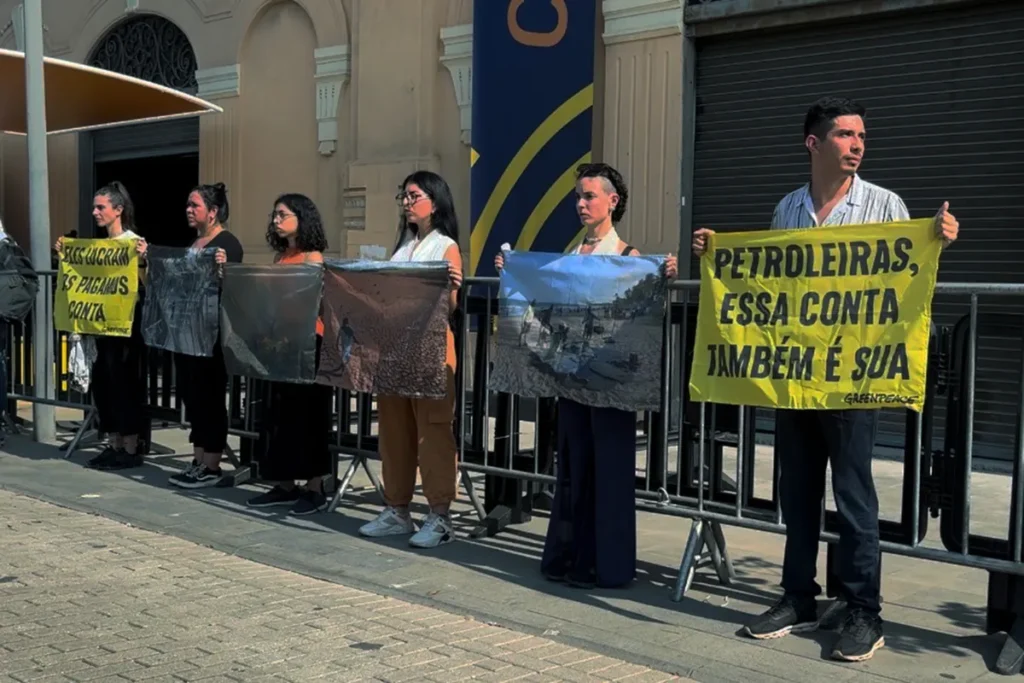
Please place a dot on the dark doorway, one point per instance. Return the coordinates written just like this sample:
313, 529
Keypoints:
159, 188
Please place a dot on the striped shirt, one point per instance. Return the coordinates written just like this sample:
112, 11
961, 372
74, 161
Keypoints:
863, 203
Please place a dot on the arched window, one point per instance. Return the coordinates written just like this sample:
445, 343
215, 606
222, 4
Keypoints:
151, 48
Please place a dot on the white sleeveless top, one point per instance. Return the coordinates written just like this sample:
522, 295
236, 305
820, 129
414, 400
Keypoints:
610, 245
431, 248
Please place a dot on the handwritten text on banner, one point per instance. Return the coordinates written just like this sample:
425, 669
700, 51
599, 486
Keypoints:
828, 318
97, 287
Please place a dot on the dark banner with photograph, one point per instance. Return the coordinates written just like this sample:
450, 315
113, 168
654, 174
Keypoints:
385, 327
180, 311
268, 319
586, 328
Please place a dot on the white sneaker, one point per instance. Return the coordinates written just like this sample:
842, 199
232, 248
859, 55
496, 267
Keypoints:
388, 523
437, 530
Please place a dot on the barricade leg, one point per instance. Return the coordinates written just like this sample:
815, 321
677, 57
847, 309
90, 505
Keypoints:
726, 572
474, 499
345, 482
1003, 613
241, 473
688, 563
507, 500
703, 534
70, 447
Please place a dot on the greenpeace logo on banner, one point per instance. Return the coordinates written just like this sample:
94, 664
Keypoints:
826, 318
97, 287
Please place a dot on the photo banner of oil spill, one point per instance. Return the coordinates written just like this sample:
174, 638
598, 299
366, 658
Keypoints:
268, 319
586, 328
385, 327
180, 313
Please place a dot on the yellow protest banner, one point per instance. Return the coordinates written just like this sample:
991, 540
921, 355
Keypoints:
827, 318
97, 286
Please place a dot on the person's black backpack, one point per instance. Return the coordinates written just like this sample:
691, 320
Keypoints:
19, 282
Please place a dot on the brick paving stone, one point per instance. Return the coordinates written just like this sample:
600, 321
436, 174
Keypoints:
90, 600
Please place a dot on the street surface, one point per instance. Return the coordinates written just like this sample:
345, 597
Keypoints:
83, 598
934, 613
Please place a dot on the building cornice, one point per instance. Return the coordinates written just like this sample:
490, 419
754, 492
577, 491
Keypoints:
219, 81
333, 71
628, 20
458, 59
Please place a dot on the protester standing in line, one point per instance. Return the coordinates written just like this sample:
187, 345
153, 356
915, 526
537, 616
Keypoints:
806, 440
591, 538
299, 419
202, 379
419, 430
118, 379
19, 285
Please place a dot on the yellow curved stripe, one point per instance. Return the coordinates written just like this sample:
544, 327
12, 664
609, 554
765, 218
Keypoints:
565, 184
473, 156
558, 119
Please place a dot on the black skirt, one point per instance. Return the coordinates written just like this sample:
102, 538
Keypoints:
298, 419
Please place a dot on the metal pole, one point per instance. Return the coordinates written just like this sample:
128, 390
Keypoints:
43, 426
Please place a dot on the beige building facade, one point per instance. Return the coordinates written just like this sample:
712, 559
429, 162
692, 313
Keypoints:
337, 99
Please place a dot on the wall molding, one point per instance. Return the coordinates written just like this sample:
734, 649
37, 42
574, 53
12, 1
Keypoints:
458, 59
333, 70
219, 81
627, 20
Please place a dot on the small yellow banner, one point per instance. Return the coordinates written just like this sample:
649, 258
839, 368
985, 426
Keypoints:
97, 286
827, 318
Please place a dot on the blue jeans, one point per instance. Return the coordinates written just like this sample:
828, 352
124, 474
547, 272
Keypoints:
805, 441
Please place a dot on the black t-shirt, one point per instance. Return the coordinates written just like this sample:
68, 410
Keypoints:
229, 243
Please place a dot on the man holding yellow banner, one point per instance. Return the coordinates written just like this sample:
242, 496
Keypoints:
826, 326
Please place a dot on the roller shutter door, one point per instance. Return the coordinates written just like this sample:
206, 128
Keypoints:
945, 99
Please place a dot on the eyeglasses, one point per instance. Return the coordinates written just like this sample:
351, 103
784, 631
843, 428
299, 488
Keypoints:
408, 197
280, 216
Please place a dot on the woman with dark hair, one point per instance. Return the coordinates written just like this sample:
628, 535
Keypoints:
118, 382
299, 424
418, 430
591, 539
203, 380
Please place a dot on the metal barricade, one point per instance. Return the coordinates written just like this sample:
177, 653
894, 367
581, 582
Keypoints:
681, 459
696, 484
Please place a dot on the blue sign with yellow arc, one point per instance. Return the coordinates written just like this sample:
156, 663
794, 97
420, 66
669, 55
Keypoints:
533, 99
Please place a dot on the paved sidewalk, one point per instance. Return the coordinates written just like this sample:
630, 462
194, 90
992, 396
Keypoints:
934, 613
84, 598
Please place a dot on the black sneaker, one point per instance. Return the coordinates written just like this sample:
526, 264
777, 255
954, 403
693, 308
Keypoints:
184, 475
859, 637
788, 615
121, 460
105, 457
274, 497
309, 503
198, 478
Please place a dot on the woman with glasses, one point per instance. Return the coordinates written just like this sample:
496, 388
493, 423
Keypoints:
591, 539
204, 379
299, 421
418, 431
